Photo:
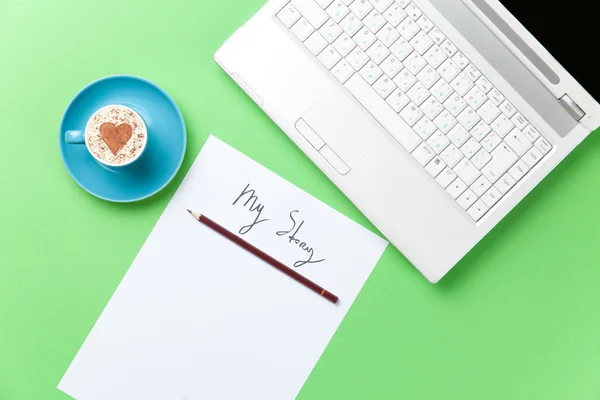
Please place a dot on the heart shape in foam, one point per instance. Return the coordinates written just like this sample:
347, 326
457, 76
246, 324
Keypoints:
115, 137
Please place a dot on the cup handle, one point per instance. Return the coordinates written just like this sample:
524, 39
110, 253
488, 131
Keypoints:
75, 137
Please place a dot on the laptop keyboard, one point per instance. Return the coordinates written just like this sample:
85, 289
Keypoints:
400, 66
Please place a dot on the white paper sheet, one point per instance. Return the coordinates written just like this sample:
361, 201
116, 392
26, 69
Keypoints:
197, 317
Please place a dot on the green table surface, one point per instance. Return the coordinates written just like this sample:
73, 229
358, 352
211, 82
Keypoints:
518, 318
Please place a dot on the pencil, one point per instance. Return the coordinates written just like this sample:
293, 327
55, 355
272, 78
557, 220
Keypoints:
265, 257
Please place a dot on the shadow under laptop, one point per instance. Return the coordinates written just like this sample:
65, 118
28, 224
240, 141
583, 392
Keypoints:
469, 267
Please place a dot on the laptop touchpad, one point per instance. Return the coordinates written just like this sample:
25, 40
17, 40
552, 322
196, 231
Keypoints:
338, 122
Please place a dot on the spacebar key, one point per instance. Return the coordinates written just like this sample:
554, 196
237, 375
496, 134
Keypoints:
382, 112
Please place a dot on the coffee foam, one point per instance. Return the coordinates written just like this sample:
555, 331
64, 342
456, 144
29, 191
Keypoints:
116, 115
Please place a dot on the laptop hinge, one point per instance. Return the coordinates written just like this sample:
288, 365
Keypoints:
572, 107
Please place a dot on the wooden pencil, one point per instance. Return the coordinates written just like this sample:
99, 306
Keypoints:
265, 257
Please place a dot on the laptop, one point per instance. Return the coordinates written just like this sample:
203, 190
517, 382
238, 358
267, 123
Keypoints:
435, 117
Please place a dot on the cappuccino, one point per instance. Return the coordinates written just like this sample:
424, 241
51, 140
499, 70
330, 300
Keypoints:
116, 135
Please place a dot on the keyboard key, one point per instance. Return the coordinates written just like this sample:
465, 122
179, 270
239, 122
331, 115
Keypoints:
455, 104
413, 11
475, 98
364, 38
312, 12
451, 155
371, 72
458, 135
330, 31
470, 148
388, 35
502, 159
432, 108
518, 142
480, 186
480, 159
423, 154
337, 11
329, 57
488, 112
518, 170
467, 171
344, 44
428, 76
378, 52
418, 93
478, 210
461, 84
302, 29
391, 66
381, 112
361, 8
480, 131
449, 48
374, 21
496, 97
491, 141
491, 197
351, 24
415, 63
484, 84
357, 58
342, 71
438, 142
468, 118
424, 128
508, 109
384, 87
437, 36
411, 114
543, 145
435, 56
288, 15
398, 100
405, 80
445, 121
460, 60
446, 177
441, 91
505, 183
531, 133
425, 24
403, 3
323, 3
502, 125
408, 28
421, 42
401, 49
467, 199
532, 157
435, 167
381, 5
456, 188
449, 70
315, 43
519, 121
394, 15
472, 72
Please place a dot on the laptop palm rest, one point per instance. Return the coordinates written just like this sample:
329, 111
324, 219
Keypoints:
334, 126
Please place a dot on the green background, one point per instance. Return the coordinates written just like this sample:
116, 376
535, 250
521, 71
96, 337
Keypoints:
518, 318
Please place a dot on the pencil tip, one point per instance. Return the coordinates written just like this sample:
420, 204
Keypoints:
190, 211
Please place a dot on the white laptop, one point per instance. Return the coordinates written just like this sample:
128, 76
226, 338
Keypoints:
435, 117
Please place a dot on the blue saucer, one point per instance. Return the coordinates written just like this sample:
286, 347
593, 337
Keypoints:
164, 152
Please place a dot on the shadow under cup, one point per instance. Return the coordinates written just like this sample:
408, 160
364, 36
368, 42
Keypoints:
80, 137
